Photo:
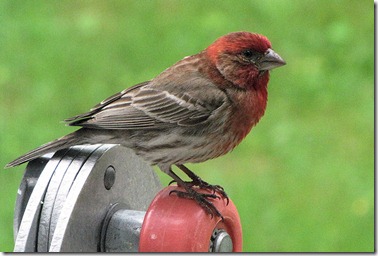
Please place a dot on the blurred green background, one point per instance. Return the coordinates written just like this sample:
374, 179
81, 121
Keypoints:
303, 180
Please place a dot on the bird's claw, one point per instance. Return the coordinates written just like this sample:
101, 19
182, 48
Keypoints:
215, 189
201, 199
204, 185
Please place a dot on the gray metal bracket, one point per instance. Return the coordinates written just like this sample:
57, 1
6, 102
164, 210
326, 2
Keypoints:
62, 207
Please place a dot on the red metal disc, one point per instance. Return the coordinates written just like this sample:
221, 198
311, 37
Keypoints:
174, 224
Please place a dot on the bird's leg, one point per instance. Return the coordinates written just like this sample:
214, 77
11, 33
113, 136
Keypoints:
200, 198
197, 181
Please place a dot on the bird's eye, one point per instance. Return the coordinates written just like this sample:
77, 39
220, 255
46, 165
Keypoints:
248, 54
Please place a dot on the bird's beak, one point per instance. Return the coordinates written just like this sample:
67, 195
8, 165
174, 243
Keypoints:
270, 60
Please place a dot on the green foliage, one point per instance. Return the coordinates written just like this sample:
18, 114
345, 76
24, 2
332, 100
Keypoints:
303, 180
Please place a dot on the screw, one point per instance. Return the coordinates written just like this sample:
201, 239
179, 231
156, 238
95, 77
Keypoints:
109, 177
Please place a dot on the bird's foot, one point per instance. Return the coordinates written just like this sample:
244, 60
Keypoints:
201, 199
213, 188
204, 185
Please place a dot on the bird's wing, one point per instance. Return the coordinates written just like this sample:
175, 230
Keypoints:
148, 106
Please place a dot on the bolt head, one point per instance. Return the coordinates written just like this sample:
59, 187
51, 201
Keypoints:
109, 177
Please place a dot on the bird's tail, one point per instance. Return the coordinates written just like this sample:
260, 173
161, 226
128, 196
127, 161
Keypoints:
75, 138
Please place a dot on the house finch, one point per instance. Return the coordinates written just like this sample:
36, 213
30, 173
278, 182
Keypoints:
198, 109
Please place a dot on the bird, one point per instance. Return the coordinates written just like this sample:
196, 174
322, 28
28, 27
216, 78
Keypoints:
198, 109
